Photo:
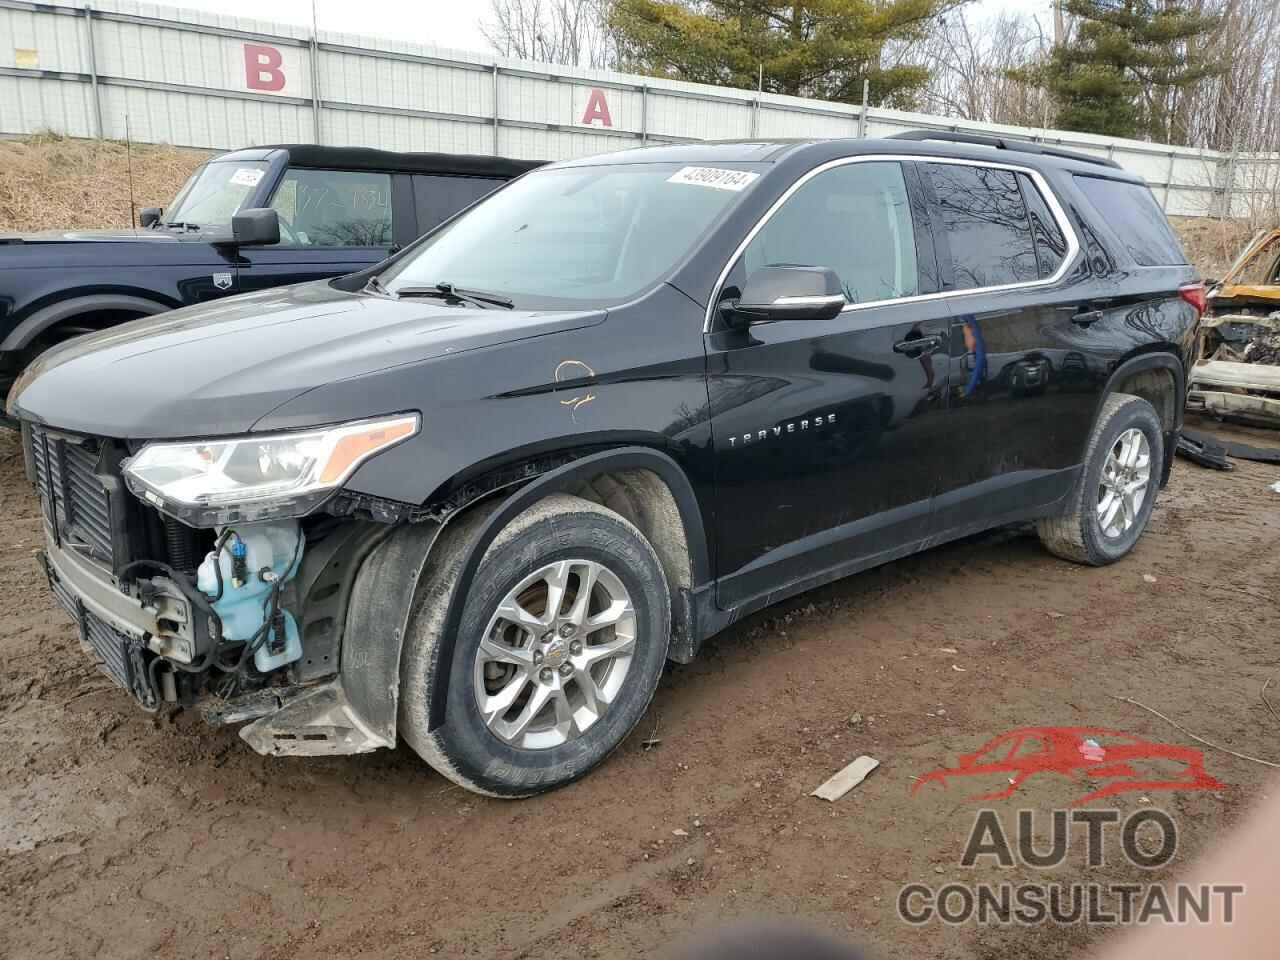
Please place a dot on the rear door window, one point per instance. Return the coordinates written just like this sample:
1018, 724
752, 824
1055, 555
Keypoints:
437, 198
986, 224
334, 208
1132, 212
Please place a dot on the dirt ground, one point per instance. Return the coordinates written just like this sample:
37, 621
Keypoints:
126, 835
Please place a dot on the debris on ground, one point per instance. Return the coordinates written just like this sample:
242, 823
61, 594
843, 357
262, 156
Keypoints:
1275, 487
1202, 449
846, 779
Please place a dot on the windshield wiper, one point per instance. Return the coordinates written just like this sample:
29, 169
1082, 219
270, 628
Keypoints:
447, 291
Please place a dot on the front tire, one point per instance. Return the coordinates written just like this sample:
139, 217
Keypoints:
560, 647
1112, 501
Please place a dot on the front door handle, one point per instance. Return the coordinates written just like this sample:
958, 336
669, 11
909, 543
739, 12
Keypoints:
1087, 318
918, 347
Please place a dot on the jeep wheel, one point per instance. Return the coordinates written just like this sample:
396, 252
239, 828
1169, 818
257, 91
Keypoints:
1113, 499
560, 647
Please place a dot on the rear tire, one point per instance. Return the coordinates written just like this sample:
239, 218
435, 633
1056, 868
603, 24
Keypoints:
539, 691
1107, 511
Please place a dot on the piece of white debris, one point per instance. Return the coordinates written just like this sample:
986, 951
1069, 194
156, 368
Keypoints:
679, 833
957, 668
1149, 578
846, 779
948, 650
1275, 487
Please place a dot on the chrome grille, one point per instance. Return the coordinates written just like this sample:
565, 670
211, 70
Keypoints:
74, 500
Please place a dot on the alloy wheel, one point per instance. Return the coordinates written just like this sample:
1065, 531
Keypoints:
1122, 487
555, 654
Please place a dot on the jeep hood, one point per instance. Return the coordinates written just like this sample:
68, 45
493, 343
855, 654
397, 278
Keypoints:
219, 368
96, 236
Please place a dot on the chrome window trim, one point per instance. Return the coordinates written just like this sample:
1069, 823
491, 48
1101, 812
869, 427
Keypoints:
1046, 192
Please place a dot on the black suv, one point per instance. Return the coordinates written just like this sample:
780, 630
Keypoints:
243, 221
475, 497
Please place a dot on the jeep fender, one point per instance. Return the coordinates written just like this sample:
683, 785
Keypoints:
392, 581
50, 316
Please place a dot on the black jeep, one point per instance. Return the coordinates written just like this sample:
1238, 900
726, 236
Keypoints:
476, 497
243, 221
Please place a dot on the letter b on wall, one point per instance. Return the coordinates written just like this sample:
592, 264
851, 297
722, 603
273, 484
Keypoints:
263, 68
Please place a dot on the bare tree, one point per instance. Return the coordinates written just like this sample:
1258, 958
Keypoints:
974, 63
573, 33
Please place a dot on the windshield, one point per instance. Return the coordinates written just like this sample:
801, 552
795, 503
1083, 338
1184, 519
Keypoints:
579, 235
214, 193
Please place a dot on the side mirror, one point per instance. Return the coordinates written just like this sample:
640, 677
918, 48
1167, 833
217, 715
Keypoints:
150, 216
256, 227
786, 293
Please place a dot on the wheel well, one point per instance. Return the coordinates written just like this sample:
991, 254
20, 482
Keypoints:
643, 499
90, 321
1158, 387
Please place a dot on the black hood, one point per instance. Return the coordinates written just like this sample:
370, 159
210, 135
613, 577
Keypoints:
219, 368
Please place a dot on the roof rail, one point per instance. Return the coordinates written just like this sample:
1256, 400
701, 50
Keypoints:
1000, 143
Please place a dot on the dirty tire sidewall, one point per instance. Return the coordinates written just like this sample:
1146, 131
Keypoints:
560, 528
1077, 534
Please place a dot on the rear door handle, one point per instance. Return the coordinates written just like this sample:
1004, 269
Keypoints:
1087, 318
918, 347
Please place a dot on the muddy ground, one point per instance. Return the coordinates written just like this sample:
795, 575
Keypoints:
125, 835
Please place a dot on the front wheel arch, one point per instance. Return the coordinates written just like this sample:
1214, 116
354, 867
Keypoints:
58, 314
571, 478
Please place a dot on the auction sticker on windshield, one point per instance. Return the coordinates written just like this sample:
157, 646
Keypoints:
715, 177
246, 177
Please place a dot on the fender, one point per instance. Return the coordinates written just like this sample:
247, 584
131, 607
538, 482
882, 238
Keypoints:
567, 479
50, 316
389, 581
1154, 361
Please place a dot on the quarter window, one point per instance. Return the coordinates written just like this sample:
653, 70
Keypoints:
988, 229
334, 208
1132, 212
854, 219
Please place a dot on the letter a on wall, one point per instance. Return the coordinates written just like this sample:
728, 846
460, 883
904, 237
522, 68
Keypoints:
592, 109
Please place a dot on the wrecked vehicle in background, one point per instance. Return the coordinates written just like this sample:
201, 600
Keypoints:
1238, 371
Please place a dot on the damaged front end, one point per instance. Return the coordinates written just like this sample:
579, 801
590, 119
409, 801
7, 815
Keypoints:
1237, 371
203, 575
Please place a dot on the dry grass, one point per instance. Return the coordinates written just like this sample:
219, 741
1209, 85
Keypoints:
1213, 245
51, 182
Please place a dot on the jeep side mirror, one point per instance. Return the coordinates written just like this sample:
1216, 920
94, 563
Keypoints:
256, 227
786, 293
150, 216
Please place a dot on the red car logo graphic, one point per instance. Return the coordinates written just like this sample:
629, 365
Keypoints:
1079, 753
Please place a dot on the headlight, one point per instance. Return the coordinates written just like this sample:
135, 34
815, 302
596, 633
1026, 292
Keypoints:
212, 482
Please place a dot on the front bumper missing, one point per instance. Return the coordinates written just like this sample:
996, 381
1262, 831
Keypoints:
115, 628
315, 721
117, 652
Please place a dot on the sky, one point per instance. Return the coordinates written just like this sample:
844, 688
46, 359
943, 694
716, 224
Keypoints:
441, 23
